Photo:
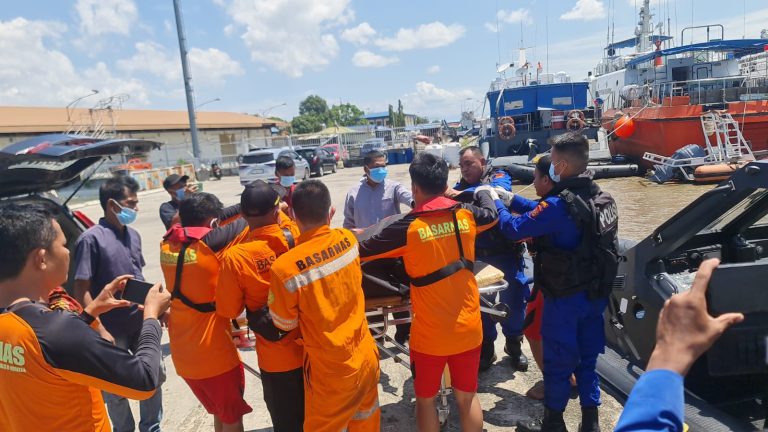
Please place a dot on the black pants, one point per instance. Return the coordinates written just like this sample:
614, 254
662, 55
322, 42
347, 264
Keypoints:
284, 395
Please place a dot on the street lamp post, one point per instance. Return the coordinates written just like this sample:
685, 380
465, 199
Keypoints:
266, 111
207, 102
187, 80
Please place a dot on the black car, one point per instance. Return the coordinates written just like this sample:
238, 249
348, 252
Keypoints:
31, 169
320, 160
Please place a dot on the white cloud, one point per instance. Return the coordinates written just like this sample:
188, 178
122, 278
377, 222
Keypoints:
585, 10
290, 35
209, 66
212, 65
31, 73
515, 16
491, 27
434, 101
433, 69
432, 35
509, 17
360, 35
367, 59
98, 17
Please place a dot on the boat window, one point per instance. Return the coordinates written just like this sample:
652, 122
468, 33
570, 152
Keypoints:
739, 209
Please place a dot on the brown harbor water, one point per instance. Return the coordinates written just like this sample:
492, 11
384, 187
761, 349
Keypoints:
644, 205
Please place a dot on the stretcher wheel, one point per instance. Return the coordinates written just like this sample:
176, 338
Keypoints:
503, 308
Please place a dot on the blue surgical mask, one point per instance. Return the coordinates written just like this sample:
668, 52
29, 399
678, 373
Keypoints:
554, 176
377, 175
180, 193
126, 216
287, 181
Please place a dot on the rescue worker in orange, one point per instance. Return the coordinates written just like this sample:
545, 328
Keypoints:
201, 346
437, 243
53, 364
244, 284
317, 288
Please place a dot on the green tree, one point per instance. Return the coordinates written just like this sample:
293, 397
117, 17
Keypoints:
400, 118
314, 104
391, 116
307, 123
346, 115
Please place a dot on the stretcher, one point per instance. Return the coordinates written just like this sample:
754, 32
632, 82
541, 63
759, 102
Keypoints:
385, 312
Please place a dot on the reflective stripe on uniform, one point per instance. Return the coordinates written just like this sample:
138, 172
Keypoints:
364, 414
319, 272
283, 323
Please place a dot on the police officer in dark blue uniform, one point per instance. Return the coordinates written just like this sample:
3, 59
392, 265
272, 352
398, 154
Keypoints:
574, 230
491, 247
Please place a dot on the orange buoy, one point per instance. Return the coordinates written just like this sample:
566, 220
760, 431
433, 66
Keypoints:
624, 127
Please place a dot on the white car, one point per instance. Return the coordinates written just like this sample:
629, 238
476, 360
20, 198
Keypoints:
260, 165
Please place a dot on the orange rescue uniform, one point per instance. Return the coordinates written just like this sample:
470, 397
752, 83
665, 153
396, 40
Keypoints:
53, 366
446, 314
244, 283
317, 287
201, 343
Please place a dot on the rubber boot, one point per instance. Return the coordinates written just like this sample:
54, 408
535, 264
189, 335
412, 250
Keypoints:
552, 422
515, 352
487, 356
590, 421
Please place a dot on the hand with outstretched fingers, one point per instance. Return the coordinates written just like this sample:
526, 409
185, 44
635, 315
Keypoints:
685, 329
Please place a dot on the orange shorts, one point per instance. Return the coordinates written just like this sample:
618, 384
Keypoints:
533, 313
428, 372
222, 395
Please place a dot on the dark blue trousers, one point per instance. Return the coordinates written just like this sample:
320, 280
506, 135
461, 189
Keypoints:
518, 272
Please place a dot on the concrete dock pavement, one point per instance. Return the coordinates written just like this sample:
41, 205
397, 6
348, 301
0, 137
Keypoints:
502, 392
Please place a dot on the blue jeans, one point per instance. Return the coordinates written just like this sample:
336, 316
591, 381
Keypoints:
518, 272
573, 336
150, 410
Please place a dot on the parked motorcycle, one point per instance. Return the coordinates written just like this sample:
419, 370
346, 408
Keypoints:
216, 170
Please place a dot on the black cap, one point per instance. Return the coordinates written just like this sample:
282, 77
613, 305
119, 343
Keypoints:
259, 198
174, 179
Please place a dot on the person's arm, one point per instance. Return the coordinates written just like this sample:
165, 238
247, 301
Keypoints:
522, 205
230, 294
349, 211
79, 355
684, 332
547, 218
220, 238
483, 210
229, 214
501, 178
86, 261
403, 195
283, 303
389, 243
167, 215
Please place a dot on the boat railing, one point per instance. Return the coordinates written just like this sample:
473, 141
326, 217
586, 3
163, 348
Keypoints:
708, 91
506, 83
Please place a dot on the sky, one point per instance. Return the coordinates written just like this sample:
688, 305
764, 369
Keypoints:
265, 56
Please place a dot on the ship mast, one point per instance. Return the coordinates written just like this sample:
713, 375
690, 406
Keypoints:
644, 29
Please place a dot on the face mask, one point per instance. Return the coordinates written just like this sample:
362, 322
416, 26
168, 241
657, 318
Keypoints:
554, 176
180, 194
126, 216
287, 181
377, 175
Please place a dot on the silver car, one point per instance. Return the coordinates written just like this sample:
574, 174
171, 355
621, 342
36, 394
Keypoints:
260, 165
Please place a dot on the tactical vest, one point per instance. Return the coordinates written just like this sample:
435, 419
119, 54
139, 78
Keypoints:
592, 266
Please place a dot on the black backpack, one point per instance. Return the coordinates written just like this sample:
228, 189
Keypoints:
599, 219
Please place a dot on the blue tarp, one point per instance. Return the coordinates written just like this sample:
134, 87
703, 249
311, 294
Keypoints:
740, 48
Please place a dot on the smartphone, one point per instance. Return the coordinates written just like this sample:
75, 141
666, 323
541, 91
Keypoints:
136, 291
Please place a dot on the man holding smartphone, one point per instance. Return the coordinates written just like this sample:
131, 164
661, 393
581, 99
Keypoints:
58, 363
103, 252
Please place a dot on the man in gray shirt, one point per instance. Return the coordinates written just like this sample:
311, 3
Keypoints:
375, 197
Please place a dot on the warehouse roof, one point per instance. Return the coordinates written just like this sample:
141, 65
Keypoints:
46, 119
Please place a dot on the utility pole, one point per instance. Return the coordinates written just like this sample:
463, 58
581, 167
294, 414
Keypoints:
187, 81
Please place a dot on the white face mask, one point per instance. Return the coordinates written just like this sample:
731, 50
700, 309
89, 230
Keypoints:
552, 174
